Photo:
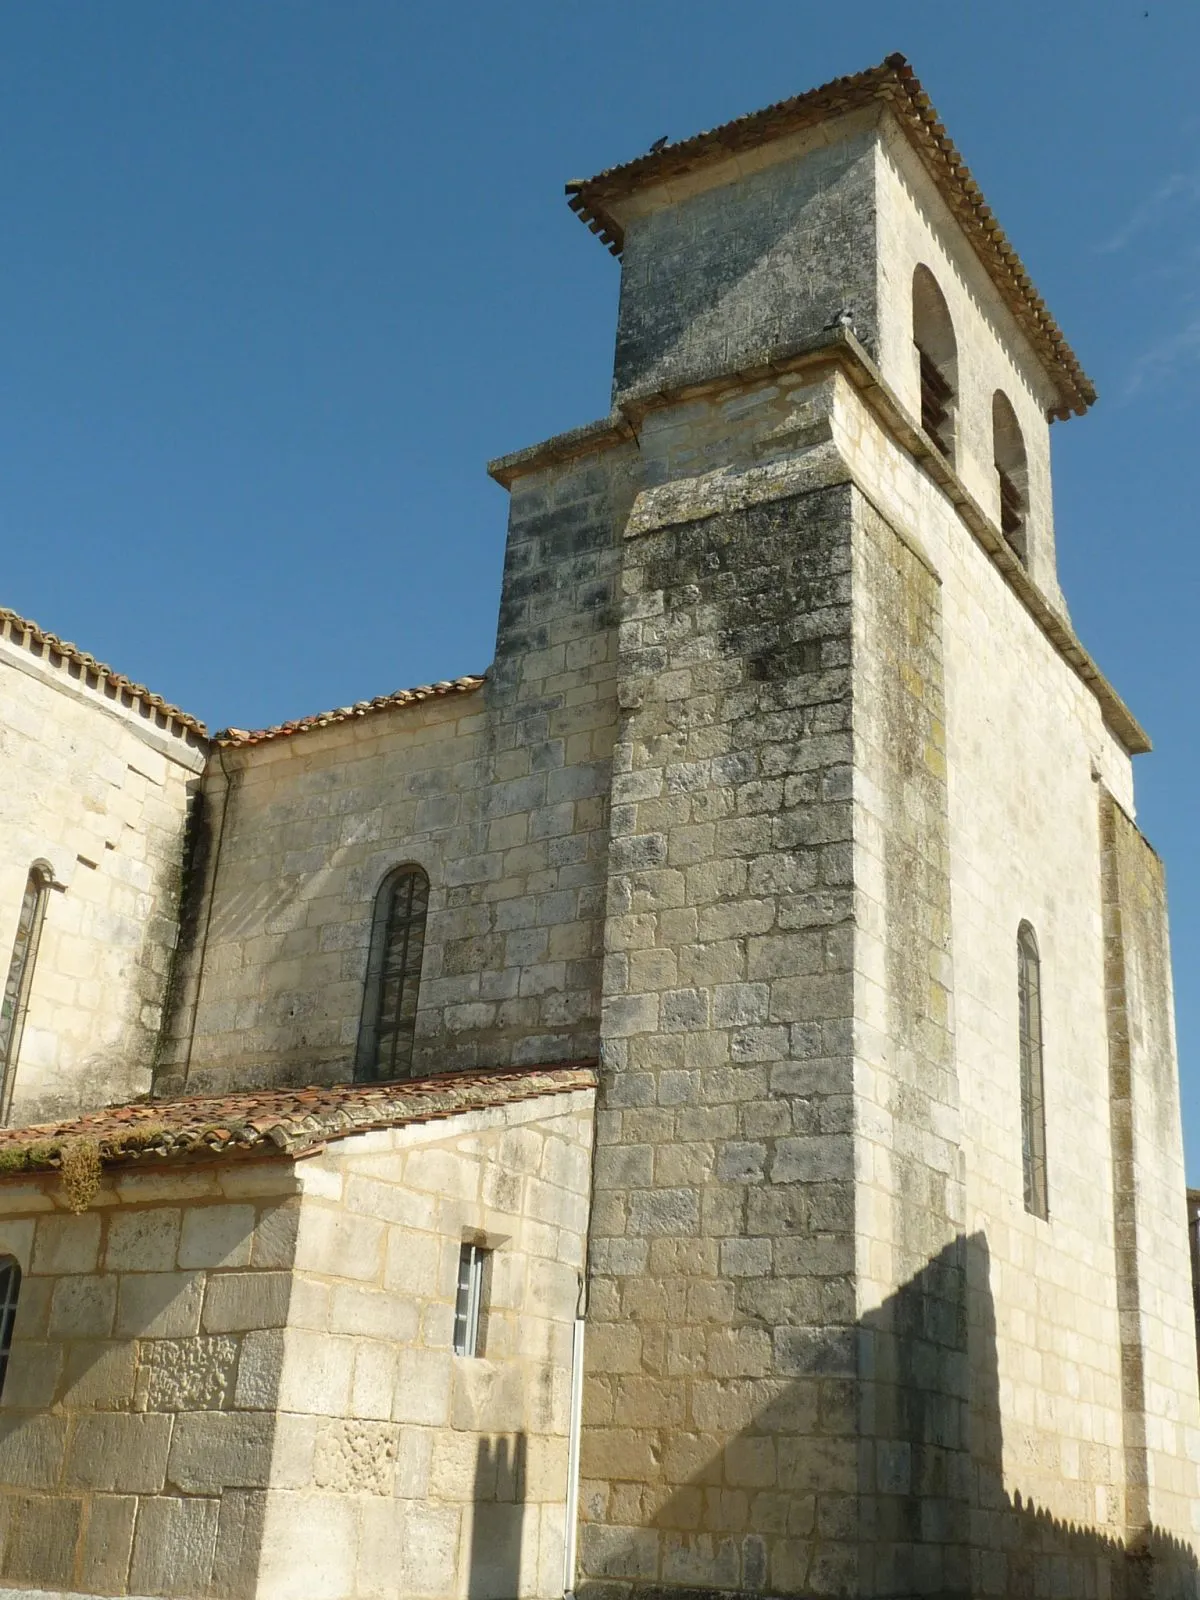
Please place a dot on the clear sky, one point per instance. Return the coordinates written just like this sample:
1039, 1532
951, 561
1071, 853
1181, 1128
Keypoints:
278, 278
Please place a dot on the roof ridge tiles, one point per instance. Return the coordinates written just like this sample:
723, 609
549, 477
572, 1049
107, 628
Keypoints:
36, 638
233, 738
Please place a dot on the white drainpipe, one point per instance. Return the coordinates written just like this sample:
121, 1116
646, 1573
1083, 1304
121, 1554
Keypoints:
570, 1539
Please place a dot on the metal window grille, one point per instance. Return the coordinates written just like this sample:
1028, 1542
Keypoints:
10, 1287
1033, 1101
389, 1019
469, 1301
14, 1000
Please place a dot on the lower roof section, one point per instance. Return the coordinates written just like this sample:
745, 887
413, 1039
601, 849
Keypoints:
278, 1122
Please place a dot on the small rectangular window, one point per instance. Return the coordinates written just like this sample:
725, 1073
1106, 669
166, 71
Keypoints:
472, 1261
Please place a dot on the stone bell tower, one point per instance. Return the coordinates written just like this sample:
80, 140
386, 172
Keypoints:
834, 1347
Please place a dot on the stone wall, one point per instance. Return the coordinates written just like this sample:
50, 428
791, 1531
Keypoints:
95, 784
723, 266
911, 1267
137, 1419
1161, 1432
401, 1468
1026, 749
977, 751
500, 795
238, 1381
719, 1423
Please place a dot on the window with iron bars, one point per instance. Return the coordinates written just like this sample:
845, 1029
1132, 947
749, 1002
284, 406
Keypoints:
389, 1015
1033, 1097
10, 1288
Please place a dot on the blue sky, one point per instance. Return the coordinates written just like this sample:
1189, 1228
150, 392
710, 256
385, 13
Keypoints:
278, 278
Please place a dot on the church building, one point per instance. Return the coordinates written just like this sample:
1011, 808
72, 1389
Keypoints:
689, 1111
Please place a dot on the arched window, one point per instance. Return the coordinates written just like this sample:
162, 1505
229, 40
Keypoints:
1033, 1101
937, 359
1008, 449
10, 1288
14, 1002
389, 1015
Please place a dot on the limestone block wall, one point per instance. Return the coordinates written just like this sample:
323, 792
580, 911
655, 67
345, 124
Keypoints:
239, 1381
137, 1419
1025, 745
1162, 1439
1027, 752
724, 265
399, 1467
1010, 832
911, 1261
720, 1419
95, 785
500, 795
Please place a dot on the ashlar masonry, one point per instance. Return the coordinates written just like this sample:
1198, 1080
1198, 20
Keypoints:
690, 1110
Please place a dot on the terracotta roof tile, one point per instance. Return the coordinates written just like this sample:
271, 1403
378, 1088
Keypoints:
20, 630
228, 737
278, 1121
894, 83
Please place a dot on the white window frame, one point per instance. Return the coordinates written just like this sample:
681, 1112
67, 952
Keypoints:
468, 1304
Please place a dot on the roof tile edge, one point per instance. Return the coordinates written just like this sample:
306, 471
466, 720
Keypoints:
241, 738
26, 634
282, 1123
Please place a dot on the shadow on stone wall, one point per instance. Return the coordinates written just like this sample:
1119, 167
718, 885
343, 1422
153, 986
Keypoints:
914, 1504
498, 1518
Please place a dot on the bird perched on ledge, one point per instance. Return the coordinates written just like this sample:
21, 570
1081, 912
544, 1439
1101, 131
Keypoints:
841, 319
659, 144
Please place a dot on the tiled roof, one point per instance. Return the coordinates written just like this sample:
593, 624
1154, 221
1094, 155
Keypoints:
277, 1121
361, 708
21, 631
894, 83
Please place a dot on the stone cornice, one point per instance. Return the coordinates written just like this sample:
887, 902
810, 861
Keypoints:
839, 349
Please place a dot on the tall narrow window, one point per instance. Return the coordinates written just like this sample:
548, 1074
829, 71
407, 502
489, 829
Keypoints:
10, 1287
389, 1016
1033, 1102
14, 1003
468, 1305
1012, 475
937, 360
